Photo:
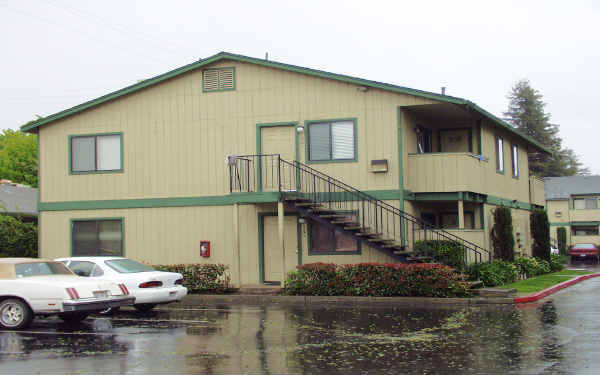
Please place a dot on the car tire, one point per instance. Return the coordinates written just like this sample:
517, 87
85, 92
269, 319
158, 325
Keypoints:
15, 314
73, 318
144, 307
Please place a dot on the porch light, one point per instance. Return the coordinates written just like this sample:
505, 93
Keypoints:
300, 128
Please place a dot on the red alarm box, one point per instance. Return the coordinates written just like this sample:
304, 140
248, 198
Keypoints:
205, 249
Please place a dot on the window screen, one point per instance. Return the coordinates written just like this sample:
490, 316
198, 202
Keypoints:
331, 141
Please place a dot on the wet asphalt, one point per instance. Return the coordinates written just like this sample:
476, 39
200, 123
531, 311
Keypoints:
557, 335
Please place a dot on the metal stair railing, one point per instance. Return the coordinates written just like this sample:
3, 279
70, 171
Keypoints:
387, 225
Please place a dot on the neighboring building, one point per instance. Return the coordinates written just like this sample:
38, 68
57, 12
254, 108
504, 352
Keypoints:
18, 200
151, 170
572, 203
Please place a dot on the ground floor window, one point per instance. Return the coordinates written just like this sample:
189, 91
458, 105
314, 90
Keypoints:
103, 237
325, 240
449, 220
587, 230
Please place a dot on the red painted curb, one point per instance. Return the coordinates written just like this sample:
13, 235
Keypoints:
546, 292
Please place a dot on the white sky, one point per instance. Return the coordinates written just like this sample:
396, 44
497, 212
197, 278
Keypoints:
59, 53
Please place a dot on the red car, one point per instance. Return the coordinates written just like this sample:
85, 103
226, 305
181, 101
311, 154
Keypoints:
584, 250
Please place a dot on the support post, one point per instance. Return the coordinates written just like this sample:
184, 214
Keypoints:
236, 242
461, 215
280, 227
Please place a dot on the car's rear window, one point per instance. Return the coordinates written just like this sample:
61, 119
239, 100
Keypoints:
127, 266
584, 246
41, 268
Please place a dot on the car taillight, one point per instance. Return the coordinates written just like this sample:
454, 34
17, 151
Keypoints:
179, 282
124, 289
151, 284
73, 293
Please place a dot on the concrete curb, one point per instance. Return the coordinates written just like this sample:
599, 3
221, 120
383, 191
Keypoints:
196, 300
546, 292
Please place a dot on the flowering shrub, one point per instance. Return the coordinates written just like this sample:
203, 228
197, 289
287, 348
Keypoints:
201, 278
376, 279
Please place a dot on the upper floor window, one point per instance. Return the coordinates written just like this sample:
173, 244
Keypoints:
220, 79
499, 154
585, 203
515, 160
96, 153
332, 140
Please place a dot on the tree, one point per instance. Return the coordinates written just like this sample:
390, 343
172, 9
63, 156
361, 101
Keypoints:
561, 232
18, 157
526, 113
540, 233
503, 240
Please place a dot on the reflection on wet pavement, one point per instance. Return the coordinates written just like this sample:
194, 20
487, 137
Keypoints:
554, 336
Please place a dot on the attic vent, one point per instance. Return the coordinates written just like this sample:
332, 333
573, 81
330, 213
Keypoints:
218, 79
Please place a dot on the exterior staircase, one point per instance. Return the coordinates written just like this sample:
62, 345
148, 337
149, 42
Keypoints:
331, 202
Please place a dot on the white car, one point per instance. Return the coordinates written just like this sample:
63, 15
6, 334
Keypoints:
31, 286
148, 286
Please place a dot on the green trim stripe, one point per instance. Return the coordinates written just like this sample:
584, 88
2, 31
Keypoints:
32, 127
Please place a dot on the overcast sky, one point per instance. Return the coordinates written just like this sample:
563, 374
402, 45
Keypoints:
59, 53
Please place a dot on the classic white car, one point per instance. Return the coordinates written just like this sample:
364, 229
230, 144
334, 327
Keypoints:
30, 287
148, 286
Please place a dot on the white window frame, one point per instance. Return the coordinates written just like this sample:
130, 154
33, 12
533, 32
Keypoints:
515, 160
499, 154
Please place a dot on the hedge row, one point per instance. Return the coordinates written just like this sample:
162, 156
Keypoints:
447, 252
202, 278
17, 239
376, 279
500, 272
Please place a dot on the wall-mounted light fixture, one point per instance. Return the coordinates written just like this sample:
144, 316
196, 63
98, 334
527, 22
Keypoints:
362, 88
302, 220
300, 128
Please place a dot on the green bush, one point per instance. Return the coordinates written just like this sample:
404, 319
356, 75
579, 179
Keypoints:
503, 240
557, 262
529, 267
450, 253
17, 239
498, 272
376, 279
544, 266
561, 233
201, 278
540, 233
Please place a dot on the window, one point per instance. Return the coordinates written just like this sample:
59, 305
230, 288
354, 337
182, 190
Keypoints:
423, 140
97, 237
86, 269
96, 153
499, 154
585, 203
221, 79
585, 230
515, 160
450, 220
335, 140
428, 218
324, 240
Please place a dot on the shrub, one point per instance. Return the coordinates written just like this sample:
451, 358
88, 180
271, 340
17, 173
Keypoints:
540, 233
376, 279
561, 233
447, 252
17, 239
544, 266
498, 272
557, 262
503, 240
529, 267
202, 278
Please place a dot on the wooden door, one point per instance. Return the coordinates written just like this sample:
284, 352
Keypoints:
277, 140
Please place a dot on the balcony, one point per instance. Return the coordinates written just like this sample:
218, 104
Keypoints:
447, 172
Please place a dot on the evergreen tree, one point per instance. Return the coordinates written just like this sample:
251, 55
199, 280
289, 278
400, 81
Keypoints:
526, 113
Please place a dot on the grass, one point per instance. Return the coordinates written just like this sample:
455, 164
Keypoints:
539, 283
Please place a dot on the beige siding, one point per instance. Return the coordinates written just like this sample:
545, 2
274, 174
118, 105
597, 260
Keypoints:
521, 231
176, 137
537, 191
446, 173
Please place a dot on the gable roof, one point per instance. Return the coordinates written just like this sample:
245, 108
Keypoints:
565, 187
32, 126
